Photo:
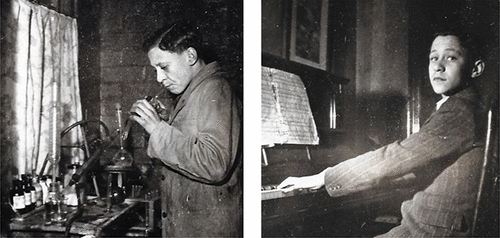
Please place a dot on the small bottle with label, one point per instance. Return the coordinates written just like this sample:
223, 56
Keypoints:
17, 195
32, 191
27, 193
38, 190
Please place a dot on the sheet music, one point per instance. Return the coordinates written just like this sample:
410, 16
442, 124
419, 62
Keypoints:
286, 115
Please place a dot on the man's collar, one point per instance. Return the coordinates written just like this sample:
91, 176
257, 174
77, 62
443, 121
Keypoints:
468, 93
440, 102
204, 72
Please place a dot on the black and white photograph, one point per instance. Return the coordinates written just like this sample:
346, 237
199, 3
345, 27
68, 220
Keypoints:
395, 134
249, 118
122, 118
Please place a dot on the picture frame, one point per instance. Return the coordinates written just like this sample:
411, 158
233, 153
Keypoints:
309, 27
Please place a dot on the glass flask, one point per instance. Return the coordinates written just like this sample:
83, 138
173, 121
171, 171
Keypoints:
122, 157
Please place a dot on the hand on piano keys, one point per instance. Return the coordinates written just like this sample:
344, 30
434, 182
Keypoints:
293, 185
307, 182
272, 192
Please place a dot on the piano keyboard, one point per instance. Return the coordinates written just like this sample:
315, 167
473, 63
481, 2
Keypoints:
269, 192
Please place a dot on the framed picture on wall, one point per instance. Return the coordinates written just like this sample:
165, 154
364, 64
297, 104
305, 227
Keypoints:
308, 39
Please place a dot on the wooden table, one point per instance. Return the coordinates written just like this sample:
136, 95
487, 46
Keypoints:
131, 216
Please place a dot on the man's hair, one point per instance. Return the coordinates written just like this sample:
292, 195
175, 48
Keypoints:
176, 38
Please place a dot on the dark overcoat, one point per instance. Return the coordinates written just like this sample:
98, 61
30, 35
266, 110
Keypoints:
198, 151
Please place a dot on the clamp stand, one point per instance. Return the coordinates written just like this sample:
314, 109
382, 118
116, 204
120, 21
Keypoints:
116, 194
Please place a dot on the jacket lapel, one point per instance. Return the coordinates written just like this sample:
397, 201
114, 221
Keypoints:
209, 69
178, 106
467, 94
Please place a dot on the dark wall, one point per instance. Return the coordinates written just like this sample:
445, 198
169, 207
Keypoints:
275, 27
367, 44
334, 144
381, 73
382, 47
89, 58
429, 17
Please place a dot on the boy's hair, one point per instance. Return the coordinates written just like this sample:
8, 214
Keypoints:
472, 45
473, 50
176, 38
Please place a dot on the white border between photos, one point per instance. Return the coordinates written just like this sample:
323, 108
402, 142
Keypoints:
251, 118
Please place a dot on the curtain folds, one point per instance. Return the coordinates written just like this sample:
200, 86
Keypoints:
41, 76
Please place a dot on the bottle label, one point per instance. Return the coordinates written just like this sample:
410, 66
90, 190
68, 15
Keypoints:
39, 198
27, 199
18, 202
33, 196
45, 194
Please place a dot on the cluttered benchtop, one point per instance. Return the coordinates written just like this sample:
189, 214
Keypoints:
132, 217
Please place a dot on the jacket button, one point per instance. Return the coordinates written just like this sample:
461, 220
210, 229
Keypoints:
334, 187
162, 177
164, 214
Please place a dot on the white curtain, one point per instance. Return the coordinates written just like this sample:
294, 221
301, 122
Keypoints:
40, 86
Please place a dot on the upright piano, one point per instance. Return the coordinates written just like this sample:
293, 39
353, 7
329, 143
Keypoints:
314, 212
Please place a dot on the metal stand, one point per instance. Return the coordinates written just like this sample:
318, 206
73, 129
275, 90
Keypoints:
120, 171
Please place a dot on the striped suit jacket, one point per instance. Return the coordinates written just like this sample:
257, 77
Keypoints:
445, 153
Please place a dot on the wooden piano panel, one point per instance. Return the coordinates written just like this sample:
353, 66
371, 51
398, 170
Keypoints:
315, 213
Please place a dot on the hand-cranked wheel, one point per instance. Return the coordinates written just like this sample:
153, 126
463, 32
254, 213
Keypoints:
91, 142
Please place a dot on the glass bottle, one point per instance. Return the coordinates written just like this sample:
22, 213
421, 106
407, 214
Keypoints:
32, 191
45, 188
27, 193
38, 190
48, 181
55, 208
17, 195
115, 194
122, 157
117, 190
59, 184
50, 206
